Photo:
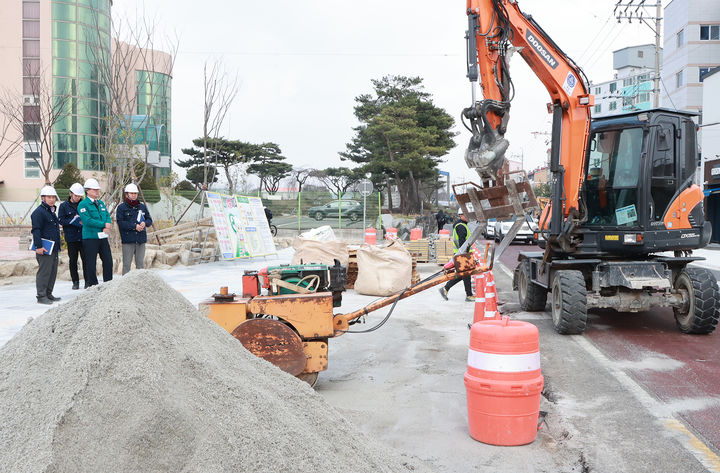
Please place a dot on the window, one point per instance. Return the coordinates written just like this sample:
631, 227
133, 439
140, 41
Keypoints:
709, 32
679, 80
31, 29
613, 86
31, 86
613, 174
31, 67
62, 11
64, 67
598, 108
31, 48
31, 132
644, 97
63, 30
32, 168
627, 82
31, 114
680, 38
31, 10
613, 105
627, 101
702, 71
643, 78
64, 49
641, 53
598, 90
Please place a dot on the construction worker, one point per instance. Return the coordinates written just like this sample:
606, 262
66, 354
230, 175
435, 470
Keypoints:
133, 217
46, 240
72, 228
95, 228
461, 232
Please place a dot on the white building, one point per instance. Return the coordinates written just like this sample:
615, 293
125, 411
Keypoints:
631, 86
692, 47
710, 142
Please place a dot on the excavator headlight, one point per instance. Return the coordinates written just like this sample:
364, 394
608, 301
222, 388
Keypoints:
632, 238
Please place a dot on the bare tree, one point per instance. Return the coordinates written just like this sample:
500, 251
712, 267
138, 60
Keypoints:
220, 91
127, 130
301, 175
32, 117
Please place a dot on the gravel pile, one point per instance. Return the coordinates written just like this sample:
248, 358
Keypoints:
129, 377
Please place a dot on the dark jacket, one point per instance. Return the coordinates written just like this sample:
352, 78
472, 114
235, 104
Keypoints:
94, 216
127, 217
72, 227
45, 225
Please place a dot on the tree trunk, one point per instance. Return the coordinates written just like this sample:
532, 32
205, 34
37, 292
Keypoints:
389, 192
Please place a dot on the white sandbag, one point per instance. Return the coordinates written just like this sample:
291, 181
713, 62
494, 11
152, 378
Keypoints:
324, 233
383, 271
325, 252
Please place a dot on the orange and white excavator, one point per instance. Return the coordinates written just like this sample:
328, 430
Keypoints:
623, 190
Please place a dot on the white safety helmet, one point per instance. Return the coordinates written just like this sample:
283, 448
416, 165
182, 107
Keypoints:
92, 184
77, 189
460, 212
131, 188
48, 190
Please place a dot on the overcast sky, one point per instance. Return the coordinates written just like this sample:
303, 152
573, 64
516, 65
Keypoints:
301, 64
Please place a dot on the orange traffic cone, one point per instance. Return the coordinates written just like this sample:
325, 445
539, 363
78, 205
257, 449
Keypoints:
491, 306
479, 297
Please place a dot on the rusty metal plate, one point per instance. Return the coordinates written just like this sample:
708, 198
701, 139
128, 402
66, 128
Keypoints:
273, 341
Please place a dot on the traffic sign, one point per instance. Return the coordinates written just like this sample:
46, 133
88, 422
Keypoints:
366, 188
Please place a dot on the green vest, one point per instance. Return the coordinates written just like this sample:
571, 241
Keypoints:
93, 218
456, 237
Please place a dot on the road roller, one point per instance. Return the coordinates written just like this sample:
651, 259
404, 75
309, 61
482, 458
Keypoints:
285, 314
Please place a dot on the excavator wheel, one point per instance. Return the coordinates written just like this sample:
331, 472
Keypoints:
700, 314
273, 341
532, 296
310, 378
569, 302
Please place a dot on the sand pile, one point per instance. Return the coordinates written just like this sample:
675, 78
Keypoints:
129, 377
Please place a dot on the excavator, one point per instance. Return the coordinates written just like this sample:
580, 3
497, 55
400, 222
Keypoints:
622, 194
625, 212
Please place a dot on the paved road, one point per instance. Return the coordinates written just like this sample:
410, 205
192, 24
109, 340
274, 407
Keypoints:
681, 371
291, 222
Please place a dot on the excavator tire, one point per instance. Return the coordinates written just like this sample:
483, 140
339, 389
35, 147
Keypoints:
700, 315
569, 302
532, 296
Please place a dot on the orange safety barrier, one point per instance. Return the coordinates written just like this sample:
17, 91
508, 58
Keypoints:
491, 300
370, 236
390, 233
479, 314
415, 234
503, 382
444, 233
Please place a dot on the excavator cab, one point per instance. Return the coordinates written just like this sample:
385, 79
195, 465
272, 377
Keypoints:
640, 182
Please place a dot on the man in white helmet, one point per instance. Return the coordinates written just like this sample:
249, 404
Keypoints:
132, 217
95, 227
46, 234
72, 228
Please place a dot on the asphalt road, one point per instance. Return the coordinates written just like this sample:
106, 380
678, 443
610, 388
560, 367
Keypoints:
681, 372
291, 222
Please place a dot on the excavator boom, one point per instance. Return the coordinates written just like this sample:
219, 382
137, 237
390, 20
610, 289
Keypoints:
496, 30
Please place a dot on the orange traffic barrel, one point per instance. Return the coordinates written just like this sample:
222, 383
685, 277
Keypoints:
479, 314
391, 232
370, 236
444, 233
415, 234
503, 382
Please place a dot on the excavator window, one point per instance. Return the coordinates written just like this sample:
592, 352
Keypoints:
613, 174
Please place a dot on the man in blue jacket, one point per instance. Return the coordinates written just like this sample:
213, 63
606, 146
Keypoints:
132, 217
72, 228
45, 226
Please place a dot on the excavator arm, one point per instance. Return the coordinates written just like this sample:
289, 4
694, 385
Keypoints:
496, 30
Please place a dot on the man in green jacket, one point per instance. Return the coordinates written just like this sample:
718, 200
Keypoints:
95, 228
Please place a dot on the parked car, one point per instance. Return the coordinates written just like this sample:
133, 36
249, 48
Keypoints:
351, 209
490, 229
525, 234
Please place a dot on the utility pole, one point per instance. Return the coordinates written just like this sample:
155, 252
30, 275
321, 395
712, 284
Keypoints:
636, 11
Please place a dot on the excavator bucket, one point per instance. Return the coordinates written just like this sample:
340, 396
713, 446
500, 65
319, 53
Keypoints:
510, 196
